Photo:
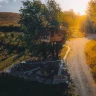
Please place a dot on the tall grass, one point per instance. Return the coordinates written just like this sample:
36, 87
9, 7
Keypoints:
63, 52
90, 53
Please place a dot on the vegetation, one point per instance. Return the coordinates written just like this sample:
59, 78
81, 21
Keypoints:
63, 52
90, 27
35, 19
11, 43
8, 18
91, 11
73, 24
11, 85
12, 49
10, 28
90, 52
9, 22
89, 23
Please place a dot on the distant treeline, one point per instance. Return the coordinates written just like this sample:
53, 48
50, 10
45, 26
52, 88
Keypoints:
10, 29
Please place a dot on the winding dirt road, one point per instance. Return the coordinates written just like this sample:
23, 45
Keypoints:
79, 70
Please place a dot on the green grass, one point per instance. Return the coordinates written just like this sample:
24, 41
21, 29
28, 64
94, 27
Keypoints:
11, 61
10, 44
9, 18
11, 47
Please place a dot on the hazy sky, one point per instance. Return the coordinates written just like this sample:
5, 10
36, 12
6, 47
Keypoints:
14, 5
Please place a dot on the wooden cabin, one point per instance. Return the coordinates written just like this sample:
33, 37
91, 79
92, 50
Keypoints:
53, 35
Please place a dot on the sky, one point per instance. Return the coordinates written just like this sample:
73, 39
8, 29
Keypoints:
14, 5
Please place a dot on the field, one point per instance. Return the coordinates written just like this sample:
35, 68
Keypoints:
11, 49
90, 52
8, 18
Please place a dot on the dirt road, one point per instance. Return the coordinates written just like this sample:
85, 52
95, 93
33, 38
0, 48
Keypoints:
79, 70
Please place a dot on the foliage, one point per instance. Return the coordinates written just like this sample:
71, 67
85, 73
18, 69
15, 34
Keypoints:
10, 43
90, 53
35, 18
63, 52
11, 85
91, 10
12, 46
72, 23
70, 16
10, 28
91, 15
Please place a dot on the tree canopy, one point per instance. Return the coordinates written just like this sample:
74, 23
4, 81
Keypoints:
35, 17
91, 15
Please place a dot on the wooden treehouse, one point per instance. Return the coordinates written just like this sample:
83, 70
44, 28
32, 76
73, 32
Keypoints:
54, 37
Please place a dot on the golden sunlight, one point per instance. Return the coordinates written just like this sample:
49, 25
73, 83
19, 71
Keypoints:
79, 6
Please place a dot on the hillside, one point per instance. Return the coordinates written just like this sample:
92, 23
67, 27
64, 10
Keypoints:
8, 18
11, 49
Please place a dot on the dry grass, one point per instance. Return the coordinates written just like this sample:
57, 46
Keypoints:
63, 52
90, 52
4, 64
8, 18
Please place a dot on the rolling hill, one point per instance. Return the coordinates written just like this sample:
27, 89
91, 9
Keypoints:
9, 18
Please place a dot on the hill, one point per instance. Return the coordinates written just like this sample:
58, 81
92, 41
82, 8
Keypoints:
9, 18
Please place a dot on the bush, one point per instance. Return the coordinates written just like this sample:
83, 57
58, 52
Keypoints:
14, 86
90, 53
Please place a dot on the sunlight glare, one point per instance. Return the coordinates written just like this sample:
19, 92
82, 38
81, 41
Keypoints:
79, 6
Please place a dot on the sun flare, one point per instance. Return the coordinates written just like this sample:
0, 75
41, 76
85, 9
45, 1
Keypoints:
79, 6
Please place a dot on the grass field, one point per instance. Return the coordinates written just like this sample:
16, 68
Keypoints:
9, 18
11, 49
90, 52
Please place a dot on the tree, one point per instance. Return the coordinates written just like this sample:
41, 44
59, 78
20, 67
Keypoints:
91, 13
91, 10
31, 22
35, 18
